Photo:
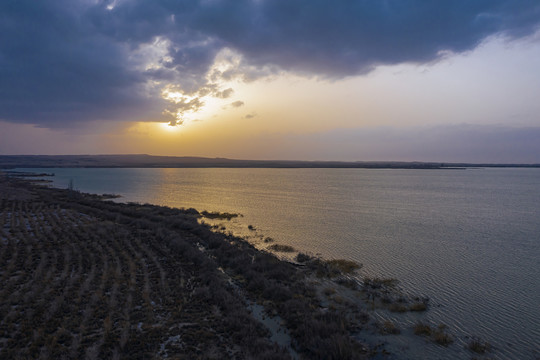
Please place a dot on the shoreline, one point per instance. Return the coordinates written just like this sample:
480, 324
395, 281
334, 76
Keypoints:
152, 161
323, 310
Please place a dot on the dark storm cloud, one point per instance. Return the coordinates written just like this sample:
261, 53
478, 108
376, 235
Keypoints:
56, 68
64, 61
339, 38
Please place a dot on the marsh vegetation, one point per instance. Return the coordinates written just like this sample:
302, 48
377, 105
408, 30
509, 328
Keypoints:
281, 248
478, 346
87, 278
219, 215
438, 334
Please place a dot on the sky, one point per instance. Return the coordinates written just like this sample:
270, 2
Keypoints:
350, 80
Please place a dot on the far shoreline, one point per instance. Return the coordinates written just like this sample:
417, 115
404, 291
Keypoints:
149, 161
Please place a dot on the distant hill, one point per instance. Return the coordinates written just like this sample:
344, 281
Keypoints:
149, 161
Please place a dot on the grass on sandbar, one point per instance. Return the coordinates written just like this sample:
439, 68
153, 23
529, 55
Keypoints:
438, 335
281, 248
422, 329
388, 328
418, 306
345, 266
478, 346
218, 215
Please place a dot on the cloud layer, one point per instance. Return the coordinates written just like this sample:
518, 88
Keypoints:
64, 61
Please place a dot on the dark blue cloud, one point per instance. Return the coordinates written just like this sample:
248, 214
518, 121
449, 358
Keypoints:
340, 38
56, 68
65, 61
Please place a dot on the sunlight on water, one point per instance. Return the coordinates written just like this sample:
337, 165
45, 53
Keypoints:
467, 239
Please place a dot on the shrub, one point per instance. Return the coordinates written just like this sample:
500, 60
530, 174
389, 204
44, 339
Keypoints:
388, 327
345, 266
478, 346
302, 258
329, 291
421, 328
218, 215
281, 248
441, 337
419, 306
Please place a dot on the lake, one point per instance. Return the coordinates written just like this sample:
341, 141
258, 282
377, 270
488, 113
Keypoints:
467, 239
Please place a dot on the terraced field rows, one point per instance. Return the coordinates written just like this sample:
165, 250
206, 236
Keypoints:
74, 286
83, 278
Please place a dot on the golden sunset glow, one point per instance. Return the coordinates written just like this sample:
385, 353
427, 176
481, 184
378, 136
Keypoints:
169, 128
176, 96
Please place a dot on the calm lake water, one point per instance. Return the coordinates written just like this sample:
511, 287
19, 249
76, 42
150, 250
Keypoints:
467, 239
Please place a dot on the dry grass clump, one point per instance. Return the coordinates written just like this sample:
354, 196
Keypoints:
438, 335
329, 291
478, 346
388, 328
303, 258
219, 215
422, 329
281, 248
344, 266
328, 268
418, 306
110, 196
441, 336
